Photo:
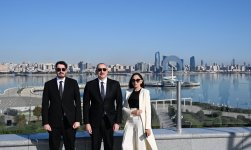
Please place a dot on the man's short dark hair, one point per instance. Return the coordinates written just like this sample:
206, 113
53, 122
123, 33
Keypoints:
62, 63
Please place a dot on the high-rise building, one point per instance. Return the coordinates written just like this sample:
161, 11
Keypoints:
157, 63
81, 65
182, 63
233, 62
192, 64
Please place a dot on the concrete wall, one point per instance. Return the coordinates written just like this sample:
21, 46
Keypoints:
167, 139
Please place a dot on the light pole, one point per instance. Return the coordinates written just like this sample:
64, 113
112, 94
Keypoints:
0, 105
178, 89
29, 110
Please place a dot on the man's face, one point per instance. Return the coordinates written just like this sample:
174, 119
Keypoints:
102, 71
61, 70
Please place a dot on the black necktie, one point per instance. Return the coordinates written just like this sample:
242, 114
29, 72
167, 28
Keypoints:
102, 90
61, 89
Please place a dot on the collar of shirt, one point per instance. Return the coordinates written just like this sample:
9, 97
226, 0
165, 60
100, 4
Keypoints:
58, 81
105, 81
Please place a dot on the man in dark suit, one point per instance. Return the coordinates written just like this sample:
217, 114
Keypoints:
61, 108
101, 115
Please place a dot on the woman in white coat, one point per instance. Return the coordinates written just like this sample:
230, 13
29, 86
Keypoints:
138, 133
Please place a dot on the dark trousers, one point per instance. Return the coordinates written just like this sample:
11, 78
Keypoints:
105, 132
68, 133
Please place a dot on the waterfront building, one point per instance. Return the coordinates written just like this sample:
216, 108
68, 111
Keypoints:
10, 66
47, 67
18, 68
236, 68
4, 68
186, 68
129, 68
85, 67
89, 67
74, 68
142, 67
175, 61
117, 68
200, 68
243, 68
214, 68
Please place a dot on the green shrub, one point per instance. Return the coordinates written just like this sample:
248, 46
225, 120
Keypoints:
216, 114
171, 111
217, 122
200, 115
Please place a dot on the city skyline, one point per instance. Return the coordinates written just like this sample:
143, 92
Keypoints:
125, 32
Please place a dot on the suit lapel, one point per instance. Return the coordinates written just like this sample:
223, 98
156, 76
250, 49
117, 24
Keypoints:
55, 87
128, 93
108, 88
66, 86
141, 98
97, 89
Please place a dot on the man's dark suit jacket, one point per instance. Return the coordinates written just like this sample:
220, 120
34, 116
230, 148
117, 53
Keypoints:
53, 107
94, 112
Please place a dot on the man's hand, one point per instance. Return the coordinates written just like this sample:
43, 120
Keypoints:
88, 128
76, 125
115, 127
47, 127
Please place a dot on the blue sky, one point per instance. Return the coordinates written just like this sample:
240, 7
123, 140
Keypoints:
124, 31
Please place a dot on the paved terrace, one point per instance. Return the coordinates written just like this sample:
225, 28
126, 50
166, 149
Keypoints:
167, 139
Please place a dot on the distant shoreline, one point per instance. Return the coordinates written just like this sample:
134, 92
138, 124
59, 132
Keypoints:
27, 92
124, 73
238, 83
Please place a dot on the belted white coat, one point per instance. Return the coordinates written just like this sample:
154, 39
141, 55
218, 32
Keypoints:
145, 106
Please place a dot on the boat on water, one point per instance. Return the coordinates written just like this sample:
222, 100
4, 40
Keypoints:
190, 84
22, 74
171, 81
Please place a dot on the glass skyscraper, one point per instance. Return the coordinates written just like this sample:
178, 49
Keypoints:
192, 64
157, 68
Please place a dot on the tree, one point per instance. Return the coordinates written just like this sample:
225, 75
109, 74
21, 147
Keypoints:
2, 123
20, 120
37, 112
200, 115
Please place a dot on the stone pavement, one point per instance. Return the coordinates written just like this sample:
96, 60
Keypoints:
11, 98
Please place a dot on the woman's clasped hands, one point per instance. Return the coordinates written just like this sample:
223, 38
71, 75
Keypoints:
137, 112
